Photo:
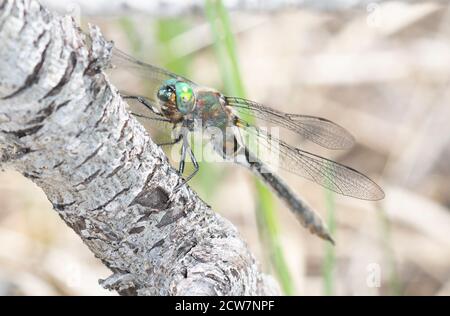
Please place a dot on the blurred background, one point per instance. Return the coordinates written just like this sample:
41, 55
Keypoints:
381, 69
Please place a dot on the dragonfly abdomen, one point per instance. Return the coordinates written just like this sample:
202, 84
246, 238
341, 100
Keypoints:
307, 216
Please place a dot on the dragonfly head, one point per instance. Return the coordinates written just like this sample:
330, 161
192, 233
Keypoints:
177, 95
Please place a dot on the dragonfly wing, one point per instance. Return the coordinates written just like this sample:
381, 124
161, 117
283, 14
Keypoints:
154, 76
124, 60
318, 130
329, 174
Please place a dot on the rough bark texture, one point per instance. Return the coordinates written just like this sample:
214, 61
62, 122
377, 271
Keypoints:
64, 126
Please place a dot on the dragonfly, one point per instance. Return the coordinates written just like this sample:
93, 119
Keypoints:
189, 107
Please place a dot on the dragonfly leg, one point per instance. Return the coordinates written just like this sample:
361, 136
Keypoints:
160, 119
142, 100
181, 169
195, 163
173, 142
183, 159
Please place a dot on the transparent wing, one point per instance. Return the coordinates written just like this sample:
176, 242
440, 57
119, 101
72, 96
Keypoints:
154, 76
329, 174
318, 130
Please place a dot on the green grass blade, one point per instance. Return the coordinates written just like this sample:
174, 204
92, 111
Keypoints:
133, 38
394, 286
166, 30
330, 256
226, 52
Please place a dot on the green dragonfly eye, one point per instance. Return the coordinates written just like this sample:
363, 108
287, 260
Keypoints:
185, 97
167, 91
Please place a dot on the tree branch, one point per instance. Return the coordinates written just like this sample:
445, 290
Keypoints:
64, 126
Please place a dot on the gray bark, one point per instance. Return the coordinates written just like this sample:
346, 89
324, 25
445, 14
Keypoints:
65, 127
